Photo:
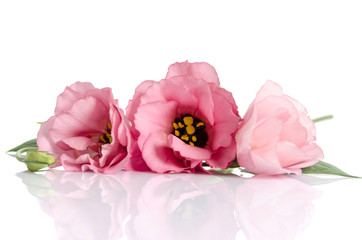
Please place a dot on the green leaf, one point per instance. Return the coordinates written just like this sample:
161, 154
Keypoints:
30, 143
325, 168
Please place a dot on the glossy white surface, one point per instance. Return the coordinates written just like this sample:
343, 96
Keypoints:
132, 205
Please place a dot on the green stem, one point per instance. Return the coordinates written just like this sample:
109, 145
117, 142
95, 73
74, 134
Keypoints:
322, 118
21, 151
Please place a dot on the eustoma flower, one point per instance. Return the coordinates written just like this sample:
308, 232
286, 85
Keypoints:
87, 132
276, 135
184, 119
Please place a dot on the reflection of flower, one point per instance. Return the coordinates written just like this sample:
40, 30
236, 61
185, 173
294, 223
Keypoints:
185, 207
276, 135
184, 119
83, 205
138, 205
274, 207
87, 132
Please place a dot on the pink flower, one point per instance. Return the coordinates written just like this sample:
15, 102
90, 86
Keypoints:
184, 120
276, 136
87, 132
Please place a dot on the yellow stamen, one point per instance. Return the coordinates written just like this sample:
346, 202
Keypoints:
102, 139
177, 133
191, 143
194, 138
175, 126
110, 139
91, 134
200, 124
188, 120
181, 125
109, 125
185, 137
190, 130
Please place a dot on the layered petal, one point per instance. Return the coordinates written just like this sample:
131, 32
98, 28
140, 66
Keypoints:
184, 120
276, 136
71, 95
159, 156
88, 132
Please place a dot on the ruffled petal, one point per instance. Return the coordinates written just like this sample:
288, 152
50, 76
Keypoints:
226, 121
159, 156
154, 117
133, 104
223, 157
187, 151
198, 70
70, 95
44, 140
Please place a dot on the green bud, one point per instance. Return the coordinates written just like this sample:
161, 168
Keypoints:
38, 160
34, 159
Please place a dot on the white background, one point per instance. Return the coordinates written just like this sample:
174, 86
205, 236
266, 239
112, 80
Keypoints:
312, 48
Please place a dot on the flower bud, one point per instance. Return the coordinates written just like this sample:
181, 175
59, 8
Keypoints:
38, 160
34, 159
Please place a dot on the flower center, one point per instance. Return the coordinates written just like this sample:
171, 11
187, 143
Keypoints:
106, 137
191, 130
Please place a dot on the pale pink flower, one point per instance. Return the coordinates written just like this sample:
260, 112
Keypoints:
184, 120
276, 136
88, 131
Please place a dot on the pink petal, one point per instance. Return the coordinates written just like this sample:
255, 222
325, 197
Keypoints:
257, 164
136, 162
86, 116
159, 156
304, 157
103, 95
274, 106
226, 122
290, 155
116, 164
133, 104
270, 88
44, 141
79, 143
176, 90
245, 131
223, 157
154, 117
92, 113
72, 164
294, 132
70, 95
266, 134
227, 95
198, 70
187, 151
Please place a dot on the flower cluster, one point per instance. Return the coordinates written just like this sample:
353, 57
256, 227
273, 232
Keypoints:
182, 123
